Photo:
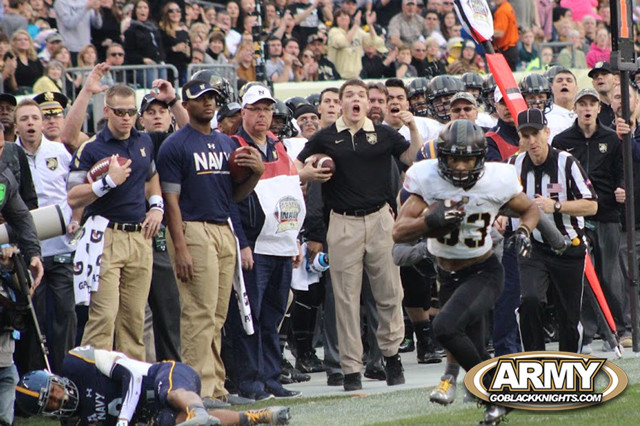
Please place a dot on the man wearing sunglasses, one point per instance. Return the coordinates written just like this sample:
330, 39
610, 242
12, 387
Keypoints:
120, 197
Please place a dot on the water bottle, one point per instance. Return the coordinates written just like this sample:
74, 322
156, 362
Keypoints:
319, 264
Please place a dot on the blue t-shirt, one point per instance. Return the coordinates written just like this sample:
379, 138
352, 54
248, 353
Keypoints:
198, 163
127, 202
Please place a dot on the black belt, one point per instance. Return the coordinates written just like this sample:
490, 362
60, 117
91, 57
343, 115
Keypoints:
126, 227
359, 212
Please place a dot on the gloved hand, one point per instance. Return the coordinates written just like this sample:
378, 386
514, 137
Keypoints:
521, 239
566, 243
444, 214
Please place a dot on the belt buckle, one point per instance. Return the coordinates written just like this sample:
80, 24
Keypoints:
360, 212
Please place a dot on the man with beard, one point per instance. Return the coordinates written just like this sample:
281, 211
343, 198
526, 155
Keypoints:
7, 107
378, 95
329, 107
603, 80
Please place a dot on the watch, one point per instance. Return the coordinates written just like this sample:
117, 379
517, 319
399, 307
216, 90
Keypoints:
557, 206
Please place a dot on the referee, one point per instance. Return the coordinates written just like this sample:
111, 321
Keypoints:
562, 190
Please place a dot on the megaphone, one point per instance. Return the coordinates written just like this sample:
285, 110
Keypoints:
49, 223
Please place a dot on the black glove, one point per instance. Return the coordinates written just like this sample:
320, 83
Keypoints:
566, 243
439, 216
522, 241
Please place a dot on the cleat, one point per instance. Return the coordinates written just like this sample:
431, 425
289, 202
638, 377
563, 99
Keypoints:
445, 392
269, 416
494, 415
309, 363
407, 345
199, 417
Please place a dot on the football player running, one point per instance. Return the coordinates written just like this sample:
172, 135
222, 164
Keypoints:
454, 201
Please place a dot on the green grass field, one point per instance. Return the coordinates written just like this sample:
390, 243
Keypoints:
413, 408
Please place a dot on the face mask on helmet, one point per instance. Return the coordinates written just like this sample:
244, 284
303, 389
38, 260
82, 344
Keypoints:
418, 105
35, 390
536, 91
441, 108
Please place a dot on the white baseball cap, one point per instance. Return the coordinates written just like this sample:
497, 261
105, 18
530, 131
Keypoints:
255, 94
497, 95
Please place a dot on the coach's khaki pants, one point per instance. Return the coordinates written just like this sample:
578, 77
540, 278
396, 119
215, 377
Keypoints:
354, 243
118, 305
205, 300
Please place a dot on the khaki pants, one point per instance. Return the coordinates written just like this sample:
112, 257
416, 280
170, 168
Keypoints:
118, 305
354, 243
205, 300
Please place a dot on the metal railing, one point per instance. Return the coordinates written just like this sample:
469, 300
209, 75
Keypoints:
557, 46
228, 71
134, 76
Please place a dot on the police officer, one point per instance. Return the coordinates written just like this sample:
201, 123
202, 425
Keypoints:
559, 186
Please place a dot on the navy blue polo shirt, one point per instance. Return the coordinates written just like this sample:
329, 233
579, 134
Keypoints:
198, 163
127, 202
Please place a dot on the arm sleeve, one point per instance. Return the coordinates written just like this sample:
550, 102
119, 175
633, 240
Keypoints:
168, 163
394, 28
313, 146
500, 21
580, 185
314, 225
399, 143
27, 189
69, 17
618, 164
96, 19
407, 254
19, 220
337, 39
131, 381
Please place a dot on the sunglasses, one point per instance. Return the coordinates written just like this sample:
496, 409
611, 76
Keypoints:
174, 11
121, 112
116, 54
457, 110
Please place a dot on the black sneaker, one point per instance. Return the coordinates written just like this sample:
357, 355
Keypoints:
335, 379
290, 375
407, 345
283, 393
352, 382
375, 374
395, 372
309, 363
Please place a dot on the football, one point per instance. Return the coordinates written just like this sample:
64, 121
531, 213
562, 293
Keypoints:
98, 170
239, 174
321, 161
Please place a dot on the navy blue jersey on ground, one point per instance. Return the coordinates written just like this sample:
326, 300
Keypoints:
127, 202
198, 163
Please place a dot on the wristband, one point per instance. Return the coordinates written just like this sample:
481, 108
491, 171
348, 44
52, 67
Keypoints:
101, 187
173, 101
106, 180
156, 203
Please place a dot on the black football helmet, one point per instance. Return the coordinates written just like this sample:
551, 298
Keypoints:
314, 99
34, 389
536, 84
488, 89
281, 123
473, 84
440, 90
552, 71
294, 102
226, 93
417, 96
461, 138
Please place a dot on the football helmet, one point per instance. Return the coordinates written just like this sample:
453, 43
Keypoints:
488, 89
473, 84
225, 91
536, 84
461, 138
440, 90
417, 96
314, 99
281, 123
294, 102
34, 391
552, 71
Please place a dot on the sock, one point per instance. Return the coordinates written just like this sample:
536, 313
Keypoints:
198, 410
245, 420
452, 369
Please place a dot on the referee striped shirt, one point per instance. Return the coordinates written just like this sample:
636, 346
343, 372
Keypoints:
560, 178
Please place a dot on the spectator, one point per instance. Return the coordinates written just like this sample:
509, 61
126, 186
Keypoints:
210, 16
526, 49
345, 43
580, 8
407, 26
418, 56
112, 15
590, 28
12, 20
604, 11
175, 40
435, 65
505, 34
52, 80
385, 10
543, 61
8, 64
545, 12
432, 20
29, 68
64, 57
25, 10
276, 68
246, 63
232, 37
216, 48
271, 17
467, 61
448, 25
75, 19
52, 44
292, 47
402, 65
573, 56
197, 56
308, 14
600, 49
374, 65
454, 49
88, 56
233, 9
526, 13
326, 69
143, 43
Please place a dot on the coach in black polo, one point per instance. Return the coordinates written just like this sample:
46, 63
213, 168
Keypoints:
359, 233
560, 187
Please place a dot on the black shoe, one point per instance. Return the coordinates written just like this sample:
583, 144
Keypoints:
407, 345
375, 374
352, 382
289, 374
335, 379
395, 372
309, 363
424, 346
283, 393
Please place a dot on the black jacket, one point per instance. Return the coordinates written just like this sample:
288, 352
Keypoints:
601, 157
143, 40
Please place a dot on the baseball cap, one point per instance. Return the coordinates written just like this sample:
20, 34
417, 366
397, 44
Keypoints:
53, 37
601, 66
409, 2
51, 103
455, 42
148, 100
6, 97
586, 92
531, 118
255, 94
463, 96
304, 109
497, 95
227, 110
469, 43
195, 88
315, 37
